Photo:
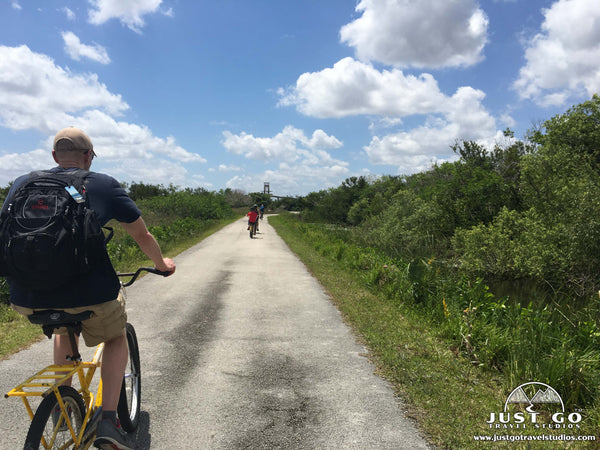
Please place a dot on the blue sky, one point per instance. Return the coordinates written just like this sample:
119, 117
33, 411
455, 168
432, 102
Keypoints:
300, 93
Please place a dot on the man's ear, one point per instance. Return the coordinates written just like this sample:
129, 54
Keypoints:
54, 156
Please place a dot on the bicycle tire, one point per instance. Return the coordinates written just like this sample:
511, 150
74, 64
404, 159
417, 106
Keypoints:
42, 424
128, 408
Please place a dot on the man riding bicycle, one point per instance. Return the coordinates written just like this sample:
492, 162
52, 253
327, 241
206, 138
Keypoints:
253, 217
97, 290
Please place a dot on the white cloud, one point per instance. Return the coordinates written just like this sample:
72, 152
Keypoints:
283, 145
507, 120
288, 145
462, 117
563, 60
13, 165
303, 162
427, 33
296, 179
165, 173
226, 168
384, 122
117, 140
76, 50
246, 183
352, 87
130, 12
321, 140
355, 88
15, 5
69, 13
36, 94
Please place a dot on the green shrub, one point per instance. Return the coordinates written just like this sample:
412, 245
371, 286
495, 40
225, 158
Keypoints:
201, 205
410, 227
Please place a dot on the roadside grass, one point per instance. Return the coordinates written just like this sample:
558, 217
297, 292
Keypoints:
448, 397
17, 333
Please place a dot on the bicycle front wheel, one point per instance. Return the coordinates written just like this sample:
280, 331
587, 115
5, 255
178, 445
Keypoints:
50, 428
131, 389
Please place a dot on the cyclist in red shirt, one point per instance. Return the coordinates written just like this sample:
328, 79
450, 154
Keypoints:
253, 217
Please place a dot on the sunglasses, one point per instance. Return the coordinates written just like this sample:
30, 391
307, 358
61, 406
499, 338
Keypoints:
93, 153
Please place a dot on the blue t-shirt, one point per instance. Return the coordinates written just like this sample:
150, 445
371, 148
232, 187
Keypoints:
110, 201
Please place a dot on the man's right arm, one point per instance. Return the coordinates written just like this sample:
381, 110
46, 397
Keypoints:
140, 234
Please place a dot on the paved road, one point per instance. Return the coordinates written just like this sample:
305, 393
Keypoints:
242, 348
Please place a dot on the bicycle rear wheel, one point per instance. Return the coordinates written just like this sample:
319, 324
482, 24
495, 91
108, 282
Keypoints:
51, 431
131, 389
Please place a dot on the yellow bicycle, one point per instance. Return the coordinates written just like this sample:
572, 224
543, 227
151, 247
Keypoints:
67, 417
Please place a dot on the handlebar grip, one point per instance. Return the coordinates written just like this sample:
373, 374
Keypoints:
135, 274
156, 271
164, 274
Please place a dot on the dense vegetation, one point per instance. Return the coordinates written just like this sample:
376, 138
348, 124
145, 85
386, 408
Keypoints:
499, 249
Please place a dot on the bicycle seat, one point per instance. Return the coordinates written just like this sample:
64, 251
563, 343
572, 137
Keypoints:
52, 319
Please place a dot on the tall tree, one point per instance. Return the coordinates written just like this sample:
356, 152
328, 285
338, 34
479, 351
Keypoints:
578, 129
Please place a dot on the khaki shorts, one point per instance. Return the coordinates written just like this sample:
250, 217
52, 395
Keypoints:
107, 322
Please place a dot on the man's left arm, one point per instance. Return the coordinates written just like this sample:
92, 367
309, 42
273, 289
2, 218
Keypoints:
148, 244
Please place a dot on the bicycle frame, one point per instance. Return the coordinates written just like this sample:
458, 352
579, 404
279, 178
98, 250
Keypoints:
51, 377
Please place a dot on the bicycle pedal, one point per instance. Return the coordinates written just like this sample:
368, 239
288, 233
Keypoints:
90, 428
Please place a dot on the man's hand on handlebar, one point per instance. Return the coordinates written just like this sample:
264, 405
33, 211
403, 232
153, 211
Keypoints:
167, 266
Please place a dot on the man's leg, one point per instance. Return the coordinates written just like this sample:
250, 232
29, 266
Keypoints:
114, 361
109, 433
108, 325
62, 349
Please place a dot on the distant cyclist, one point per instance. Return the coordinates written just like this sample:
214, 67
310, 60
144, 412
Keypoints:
262, 210
253, 219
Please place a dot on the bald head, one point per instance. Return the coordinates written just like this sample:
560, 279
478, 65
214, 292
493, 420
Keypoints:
73, 148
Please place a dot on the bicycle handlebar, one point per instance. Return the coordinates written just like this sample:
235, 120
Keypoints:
135, 274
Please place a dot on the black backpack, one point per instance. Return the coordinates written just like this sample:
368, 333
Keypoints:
48, 233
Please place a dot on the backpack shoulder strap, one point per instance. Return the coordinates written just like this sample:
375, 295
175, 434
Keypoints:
78, 175
74, 178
